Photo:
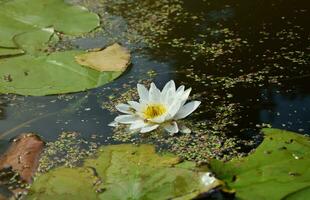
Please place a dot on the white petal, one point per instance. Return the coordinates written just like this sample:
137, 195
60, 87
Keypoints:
181, 89
172, 127
168, 88
168, 85
179, 94
149, 128
135, 105
143, 93
126, 119
113, 124
185, 95
124, 108
174, 109
137, 125
159, 119
187, 109
154, 93
140, 114
169, 97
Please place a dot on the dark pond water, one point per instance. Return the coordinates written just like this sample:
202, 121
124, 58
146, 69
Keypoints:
251, 55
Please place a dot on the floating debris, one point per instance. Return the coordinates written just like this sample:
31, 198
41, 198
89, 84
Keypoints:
68, 150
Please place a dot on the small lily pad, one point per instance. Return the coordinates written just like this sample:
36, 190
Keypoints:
125, 172
112, 58
277, 169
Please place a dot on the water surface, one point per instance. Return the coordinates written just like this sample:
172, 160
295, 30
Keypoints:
251, 55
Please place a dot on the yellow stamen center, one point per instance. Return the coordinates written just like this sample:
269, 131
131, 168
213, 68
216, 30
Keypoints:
154, 110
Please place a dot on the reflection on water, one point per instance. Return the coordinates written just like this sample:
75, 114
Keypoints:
253, 55
288, 111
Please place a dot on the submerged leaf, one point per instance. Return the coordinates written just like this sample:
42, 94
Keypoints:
278, 168
125, 172
112, 58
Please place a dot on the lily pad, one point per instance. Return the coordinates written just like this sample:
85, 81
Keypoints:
301, 194
52, 74
35, 42
18, 17
125, 172
277, 169
10, 52
26, 33
112, 58
63, 184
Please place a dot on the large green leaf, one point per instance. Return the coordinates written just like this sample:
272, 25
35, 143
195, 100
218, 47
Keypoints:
301, 194
52, 74
20, 16
279, 168
27, 29
124, 172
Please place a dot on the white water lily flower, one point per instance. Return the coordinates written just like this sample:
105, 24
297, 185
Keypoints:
156, 108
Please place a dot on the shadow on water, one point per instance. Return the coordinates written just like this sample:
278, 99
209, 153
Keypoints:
267, 39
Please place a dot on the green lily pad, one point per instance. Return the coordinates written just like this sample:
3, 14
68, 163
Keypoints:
25, 35
35, 42
278, 169
124, 172
20, 16
52, 74
10, 52
9, 28
65, 183
301, 194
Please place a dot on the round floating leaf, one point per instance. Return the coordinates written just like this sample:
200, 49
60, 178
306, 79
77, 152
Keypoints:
20, 16
125, 172
112, 58
278, 168
29, 30
52, 74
